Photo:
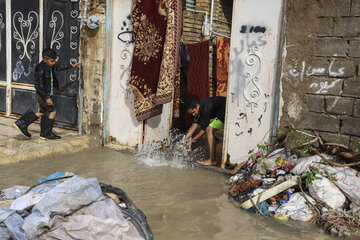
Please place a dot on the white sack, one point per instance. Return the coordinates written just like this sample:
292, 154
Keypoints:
325, 191
347, 181
296, 208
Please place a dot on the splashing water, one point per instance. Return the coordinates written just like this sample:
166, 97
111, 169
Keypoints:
170, 152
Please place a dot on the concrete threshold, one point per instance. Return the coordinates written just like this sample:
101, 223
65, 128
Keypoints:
121, 148
15, 147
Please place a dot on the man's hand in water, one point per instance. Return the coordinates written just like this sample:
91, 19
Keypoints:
188, 145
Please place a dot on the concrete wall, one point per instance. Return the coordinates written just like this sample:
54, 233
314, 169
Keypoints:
93, 52
320, 74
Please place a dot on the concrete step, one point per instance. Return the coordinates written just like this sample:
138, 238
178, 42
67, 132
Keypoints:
14, 147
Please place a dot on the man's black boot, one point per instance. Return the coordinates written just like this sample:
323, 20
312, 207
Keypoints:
24, 121
46, 129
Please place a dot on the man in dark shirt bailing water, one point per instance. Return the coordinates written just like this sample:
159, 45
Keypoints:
203, 112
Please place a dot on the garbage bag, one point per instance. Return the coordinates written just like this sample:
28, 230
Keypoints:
26, 201
13, 192
64, 199
304, 164
13, 223
346, 179
44, 187
296, 208
271, 158
100, 220
4, 233
325, 191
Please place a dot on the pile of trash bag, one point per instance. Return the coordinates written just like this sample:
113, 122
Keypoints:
67, 206
308, 188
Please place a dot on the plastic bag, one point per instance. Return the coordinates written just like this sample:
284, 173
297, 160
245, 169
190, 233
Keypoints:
296, 208
27, 200
13, 223
64, 199
346, 179
325, 191
272, 157
13, 192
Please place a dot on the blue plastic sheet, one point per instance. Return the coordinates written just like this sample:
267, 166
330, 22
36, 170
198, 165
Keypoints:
55, 175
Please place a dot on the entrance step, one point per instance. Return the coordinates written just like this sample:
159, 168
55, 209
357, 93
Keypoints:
14, 147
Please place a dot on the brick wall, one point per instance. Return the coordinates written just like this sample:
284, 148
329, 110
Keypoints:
320, 74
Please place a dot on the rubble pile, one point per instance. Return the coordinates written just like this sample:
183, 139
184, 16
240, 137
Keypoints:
303, 178
67, 206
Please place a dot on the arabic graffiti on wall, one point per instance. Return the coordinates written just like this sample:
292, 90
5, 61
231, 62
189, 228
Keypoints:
303, 71
249, 96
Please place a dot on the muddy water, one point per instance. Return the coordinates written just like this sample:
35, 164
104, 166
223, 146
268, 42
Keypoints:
179, 202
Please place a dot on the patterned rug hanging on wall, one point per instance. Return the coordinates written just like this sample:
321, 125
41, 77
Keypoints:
222, 65
149, 27
157, 27
198, 77
171, 54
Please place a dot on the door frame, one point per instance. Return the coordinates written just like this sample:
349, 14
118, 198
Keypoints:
276, 83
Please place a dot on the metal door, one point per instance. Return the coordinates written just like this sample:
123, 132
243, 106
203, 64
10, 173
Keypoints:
255, 39
29, 27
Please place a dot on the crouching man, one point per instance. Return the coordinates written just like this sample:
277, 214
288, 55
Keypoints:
209, 113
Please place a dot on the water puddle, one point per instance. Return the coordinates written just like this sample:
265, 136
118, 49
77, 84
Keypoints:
181, 201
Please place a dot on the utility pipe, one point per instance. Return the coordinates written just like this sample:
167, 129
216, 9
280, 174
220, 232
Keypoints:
206, 19
211, 15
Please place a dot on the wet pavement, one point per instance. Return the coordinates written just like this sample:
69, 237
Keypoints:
15, 147
181, 201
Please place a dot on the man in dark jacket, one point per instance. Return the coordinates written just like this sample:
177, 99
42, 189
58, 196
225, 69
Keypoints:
209, 114
45, 82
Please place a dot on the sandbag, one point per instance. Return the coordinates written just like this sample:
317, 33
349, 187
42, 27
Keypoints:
325, 191
346, 179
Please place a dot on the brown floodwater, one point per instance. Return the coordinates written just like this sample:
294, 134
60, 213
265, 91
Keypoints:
180, 201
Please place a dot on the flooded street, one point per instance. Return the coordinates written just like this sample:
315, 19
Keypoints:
180, 202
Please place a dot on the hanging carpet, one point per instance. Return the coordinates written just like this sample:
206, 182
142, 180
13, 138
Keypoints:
198, 75
149, 27
171, 54
222, 65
